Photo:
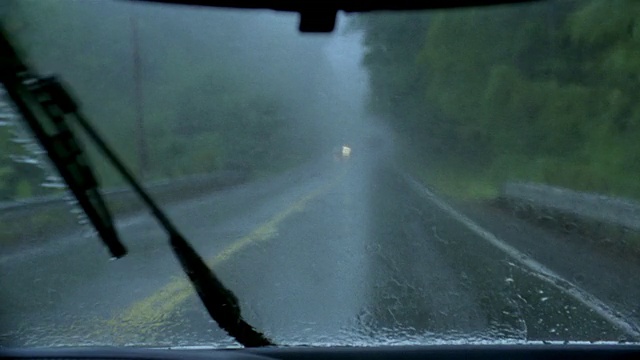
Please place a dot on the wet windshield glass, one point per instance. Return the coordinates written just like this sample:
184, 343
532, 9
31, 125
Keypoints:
451, 176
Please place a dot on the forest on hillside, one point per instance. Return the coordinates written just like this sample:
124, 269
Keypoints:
544, 92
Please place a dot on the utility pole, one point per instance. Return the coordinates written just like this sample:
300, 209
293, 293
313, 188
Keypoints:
139, 100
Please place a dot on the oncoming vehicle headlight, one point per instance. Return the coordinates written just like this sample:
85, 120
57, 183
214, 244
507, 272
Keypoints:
346, 151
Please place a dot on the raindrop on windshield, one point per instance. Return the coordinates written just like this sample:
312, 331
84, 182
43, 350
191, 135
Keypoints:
53, 182
24, 159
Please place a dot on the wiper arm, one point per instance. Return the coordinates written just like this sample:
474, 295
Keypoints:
220, 302
45, 116
47, 107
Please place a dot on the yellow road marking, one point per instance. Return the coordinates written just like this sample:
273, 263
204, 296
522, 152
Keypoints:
143, 314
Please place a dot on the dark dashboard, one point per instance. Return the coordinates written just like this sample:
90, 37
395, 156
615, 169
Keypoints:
441, 352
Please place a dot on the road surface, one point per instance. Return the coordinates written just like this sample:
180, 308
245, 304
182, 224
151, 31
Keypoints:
332, 253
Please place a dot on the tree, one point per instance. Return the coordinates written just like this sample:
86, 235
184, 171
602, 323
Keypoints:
539, 92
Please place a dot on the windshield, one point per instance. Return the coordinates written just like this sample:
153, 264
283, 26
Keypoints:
427, 177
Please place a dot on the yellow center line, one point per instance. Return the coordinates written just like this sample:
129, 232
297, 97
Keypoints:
143, 314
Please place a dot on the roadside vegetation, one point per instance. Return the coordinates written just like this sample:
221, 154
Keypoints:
544, 92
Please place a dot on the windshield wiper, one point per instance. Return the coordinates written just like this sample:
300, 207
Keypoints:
47, 109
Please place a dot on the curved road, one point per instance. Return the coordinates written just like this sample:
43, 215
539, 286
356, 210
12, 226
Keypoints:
337, 252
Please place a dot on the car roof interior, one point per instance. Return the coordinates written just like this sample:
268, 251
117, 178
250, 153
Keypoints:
320, 16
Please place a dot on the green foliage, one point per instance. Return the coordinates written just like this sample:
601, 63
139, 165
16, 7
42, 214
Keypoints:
23, 189
5, 173
542, 92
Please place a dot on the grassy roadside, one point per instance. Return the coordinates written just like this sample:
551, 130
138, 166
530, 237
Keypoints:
466, 185
454, 181
459, 184
22, 227
35, 224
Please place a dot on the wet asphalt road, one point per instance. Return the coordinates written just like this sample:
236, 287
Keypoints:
337, 252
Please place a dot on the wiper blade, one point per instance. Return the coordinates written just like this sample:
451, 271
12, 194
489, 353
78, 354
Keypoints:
220, 302
47, 107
